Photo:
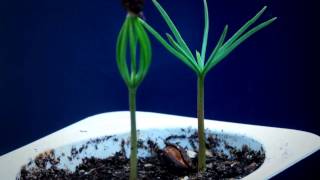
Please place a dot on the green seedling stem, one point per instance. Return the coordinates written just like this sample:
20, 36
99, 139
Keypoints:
132, 34
178, 47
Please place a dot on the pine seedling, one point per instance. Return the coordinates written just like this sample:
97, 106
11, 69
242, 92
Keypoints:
198, 62
133, 38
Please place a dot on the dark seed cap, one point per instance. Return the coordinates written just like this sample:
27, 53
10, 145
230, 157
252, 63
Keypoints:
134, 6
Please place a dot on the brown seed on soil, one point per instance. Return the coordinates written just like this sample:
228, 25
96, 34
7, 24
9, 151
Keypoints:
176, 156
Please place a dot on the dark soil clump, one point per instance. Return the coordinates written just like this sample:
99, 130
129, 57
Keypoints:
235, 163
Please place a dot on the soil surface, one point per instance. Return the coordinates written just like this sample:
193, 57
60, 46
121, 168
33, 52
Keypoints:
162, 164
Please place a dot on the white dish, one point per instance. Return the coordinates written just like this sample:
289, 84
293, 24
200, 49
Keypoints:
283, 147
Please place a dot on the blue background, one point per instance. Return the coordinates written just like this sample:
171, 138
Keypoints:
57, 66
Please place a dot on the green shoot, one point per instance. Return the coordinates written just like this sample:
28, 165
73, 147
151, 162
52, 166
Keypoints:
177, 46
133, 34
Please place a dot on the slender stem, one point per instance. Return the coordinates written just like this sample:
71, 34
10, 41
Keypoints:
133, 138
200, 115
